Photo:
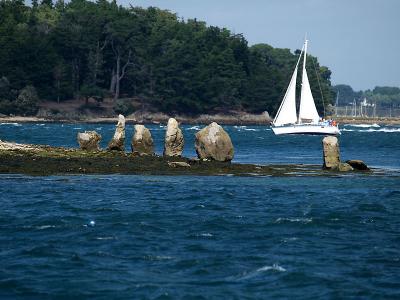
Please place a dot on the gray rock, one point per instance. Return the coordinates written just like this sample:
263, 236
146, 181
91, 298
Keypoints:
213, 143
174, 141
344, 167
176, 164
330, 146
118, 141
142, 142
358, 164
89, 140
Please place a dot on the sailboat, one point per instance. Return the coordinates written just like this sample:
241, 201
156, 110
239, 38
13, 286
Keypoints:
308, 120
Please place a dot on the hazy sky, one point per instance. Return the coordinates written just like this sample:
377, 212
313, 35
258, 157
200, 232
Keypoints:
359, 40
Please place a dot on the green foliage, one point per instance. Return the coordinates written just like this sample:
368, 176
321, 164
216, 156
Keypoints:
124, 106
83, 48
27, 101
383, 96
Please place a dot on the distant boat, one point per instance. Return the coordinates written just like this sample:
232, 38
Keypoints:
308, 121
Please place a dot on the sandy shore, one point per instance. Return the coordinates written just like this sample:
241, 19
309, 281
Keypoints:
157, 118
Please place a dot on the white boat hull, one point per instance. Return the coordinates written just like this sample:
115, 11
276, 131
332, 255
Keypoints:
311, 129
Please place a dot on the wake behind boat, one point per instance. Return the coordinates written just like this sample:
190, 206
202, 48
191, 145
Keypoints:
308, 121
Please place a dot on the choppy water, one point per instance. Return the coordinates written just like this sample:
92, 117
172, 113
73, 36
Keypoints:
192, 237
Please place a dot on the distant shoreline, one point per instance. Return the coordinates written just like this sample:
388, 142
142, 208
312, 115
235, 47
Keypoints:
242, 119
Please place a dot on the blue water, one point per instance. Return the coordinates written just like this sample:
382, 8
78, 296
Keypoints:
193, 237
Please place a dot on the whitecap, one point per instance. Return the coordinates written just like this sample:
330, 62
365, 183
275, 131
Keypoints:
45, 227
206, 234
193, 128
391, 130
363, 125
106, 238
274, 267
300, 220
77, 128
250, 129
11, 124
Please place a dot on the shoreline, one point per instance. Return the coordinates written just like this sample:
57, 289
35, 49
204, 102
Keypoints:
244, 119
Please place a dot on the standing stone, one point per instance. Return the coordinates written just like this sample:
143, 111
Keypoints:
212, 142
330, 146
173, 139
118, 141
89, 140
142, 141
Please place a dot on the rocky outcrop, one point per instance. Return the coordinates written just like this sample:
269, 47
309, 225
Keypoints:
213, 143
174, 141
118, 141
89, 140
344, 167
142, 142
358, 165
178, 164
330, 146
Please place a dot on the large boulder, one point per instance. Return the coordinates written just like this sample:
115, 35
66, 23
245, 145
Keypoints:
358, 164
142, 142
173, 139
213, 143
118, 141
89, 140
330, 146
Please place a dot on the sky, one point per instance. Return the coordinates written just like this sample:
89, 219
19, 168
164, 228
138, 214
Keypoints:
359, 40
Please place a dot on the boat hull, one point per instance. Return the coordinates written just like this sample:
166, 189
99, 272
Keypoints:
310, 129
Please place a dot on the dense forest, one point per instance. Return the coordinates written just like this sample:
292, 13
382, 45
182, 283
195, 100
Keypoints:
383, 96
81, 49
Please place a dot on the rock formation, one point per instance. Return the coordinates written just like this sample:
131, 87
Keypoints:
118, 141
330, 146
142, 142
89, 140
212, 142
173, 139
358, 165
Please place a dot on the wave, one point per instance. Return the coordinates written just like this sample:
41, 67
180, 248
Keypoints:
11, 124
363, 125
382, 130
193, 128
274, 267
300, 220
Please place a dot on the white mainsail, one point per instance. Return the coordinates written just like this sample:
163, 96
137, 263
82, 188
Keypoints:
308, 111
287, 111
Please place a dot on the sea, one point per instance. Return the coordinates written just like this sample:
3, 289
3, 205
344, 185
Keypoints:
205, 237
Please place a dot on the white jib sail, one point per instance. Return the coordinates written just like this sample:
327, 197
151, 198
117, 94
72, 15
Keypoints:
308, 111
287, 111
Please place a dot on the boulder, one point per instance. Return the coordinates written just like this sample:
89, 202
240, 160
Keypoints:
177, 164
213, 143
358, 165
174, 141
330, 146
89, 140
142, 142
344, 167
118, 141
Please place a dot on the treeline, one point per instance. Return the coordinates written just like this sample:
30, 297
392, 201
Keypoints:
58, 51
383, 96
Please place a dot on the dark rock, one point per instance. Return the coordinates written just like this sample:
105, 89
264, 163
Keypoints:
358, 165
